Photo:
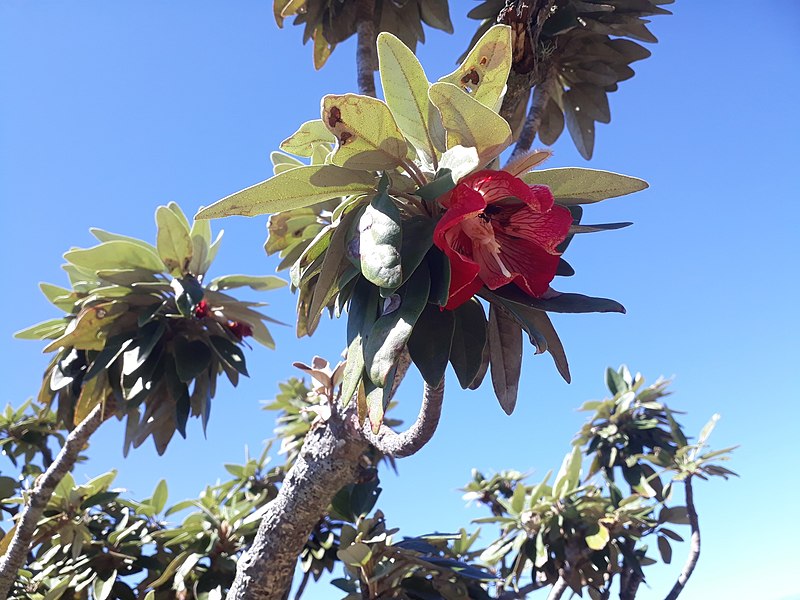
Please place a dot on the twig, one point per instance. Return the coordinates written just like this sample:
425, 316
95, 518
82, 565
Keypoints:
694, 546
39, 496
410, 441
365, 49
521, 592
559, 587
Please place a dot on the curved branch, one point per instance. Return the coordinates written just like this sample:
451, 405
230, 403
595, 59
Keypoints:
694, 547
39, 496
521, 592
410, 441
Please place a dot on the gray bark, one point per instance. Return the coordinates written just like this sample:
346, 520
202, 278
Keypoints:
694, 544
14, 558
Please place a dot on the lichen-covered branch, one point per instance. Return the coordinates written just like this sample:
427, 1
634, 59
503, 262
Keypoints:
558, 589
365, 50
541, 95
411, 441
694, 544
328, 461
39, 496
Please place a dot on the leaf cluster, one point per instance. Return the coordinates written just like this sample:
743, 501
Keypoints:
581, 51
144, 334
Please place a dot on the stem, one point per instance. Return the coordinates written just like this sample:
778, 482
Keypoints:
559, 587
694, 547
414, 172
365, 49
400, 445
328, 461
534, 119
39, 496
521, 592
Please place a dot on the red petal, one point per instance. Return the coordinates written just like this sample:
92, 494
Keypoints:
495, 186
532, 267
546, 229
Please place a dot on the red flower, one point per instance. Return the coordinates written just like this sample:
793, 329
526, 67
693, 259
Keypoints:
201, 310
497, 229
239, 329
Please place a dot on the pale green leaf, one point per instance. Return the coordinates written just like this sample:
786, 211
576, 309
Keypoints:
173, 240
309, 135
261, 283
484, 72
366, 133
116, 254
467, 122
574, 185
296, 188
405, 88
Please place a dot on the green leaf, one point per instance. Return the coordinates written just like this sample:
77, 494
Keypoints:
356, 555
599, 540
573, 185
229, 352
469, 340
380, 239
61, 298
191, 358
260, 283
310, 134
614, 382
117, 254
439, 266
665, 549
42, 331
366, 133
296, 188
159, 498
460, 161
102, 587
505, 356
484, 72
173, 241
405, 88
580, 126
558, 302
569, 475
392, 330
430, 342
467, 122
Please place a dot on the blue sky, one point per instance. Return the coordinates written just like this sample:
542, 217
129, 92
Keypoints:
109, 109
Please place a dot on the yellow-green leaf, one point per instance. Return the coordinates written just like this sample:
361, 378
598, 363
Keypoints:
296, 188
116, 254
173, 241
598, 541
405, 88
484, 72
470, 123
307, 136
366, 132
574, 185
41, 331
86, 331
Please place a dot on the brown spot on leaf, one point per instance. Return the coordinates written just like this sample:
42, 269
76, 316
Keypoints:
100, 313
471, 76
344, 137
484, 60
334, 116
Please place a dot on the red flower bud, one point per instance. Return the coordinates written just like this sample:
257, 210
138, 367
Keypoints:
202, 310
239, 329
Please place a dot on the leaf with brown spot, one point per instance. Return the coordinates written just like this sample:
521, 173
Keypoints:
484, 72
368, 136
303, 141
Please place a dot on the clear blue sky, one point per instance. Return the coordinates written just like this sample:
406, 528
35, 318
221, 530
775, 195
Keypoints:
109, 109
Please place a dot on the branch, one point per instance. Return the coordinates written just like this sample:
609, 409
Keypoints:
400, 445
694, 547
14, 558
328, 461
521, 592
534, 119
365, 49
559, 587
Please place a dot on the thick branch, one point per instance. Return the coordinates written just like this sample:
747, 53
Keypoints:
365, 50
39, 496
328, 461
558, 589
694, 546
410, 441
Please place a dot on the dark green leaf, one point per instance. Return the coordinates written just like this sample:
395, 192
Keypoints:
230, 353
469, 341
505, 356
430, 342
191, 358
